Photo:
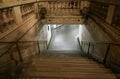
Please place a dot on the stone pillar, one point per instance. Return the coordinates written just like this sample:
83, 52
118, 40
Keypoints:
82, 5
52, 6
55, 6
110, 13
74, 5
36, 10
17, 14
78, 5
65, 6
60, 5
48, 6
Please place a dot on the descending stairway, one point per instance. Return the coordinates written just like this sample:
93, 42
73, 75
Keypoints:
63, 67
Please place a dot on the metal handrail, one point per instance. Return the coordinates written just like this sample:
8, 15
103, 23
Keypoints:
21, 41
14, 29
16, 42
6, 51
17, 48
27, 31
102, 42
108, 47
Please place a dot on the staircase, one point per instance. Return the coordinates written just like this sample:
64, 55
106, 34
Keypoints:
64, 67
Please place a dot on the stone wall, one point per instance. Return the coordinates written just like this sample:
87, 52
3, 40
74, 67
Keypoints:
103, 14
94, 40
84, 37
103, 48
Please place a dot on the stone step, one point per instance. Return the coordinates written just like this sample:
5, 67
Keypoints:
68, 69
69, 75
39, 57
64, 59
63, 62
68, 64
60, 62
65, 68
38, 78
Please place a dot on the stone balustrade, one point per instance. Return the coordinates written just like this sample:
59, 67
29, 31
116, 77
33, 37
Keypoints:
63, 20
12, 17
7, 19
27, 10
13, 14
64, 7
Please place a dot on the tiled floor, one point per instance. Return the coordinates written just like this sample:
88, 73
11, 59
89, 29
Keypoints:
64, 38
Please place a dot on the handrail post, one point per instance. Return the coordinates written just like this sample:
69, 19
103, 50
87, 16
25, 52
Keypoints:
38, 46
11, 55
88, 49
46, 44
19, 52
106, 55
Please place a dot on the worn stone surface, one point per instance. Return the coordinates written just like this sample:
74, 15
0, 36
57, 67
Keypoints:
65, 67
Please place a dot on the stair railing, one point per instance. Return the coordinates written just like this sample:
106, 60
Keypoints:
86, 45
107, 53
21, 50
